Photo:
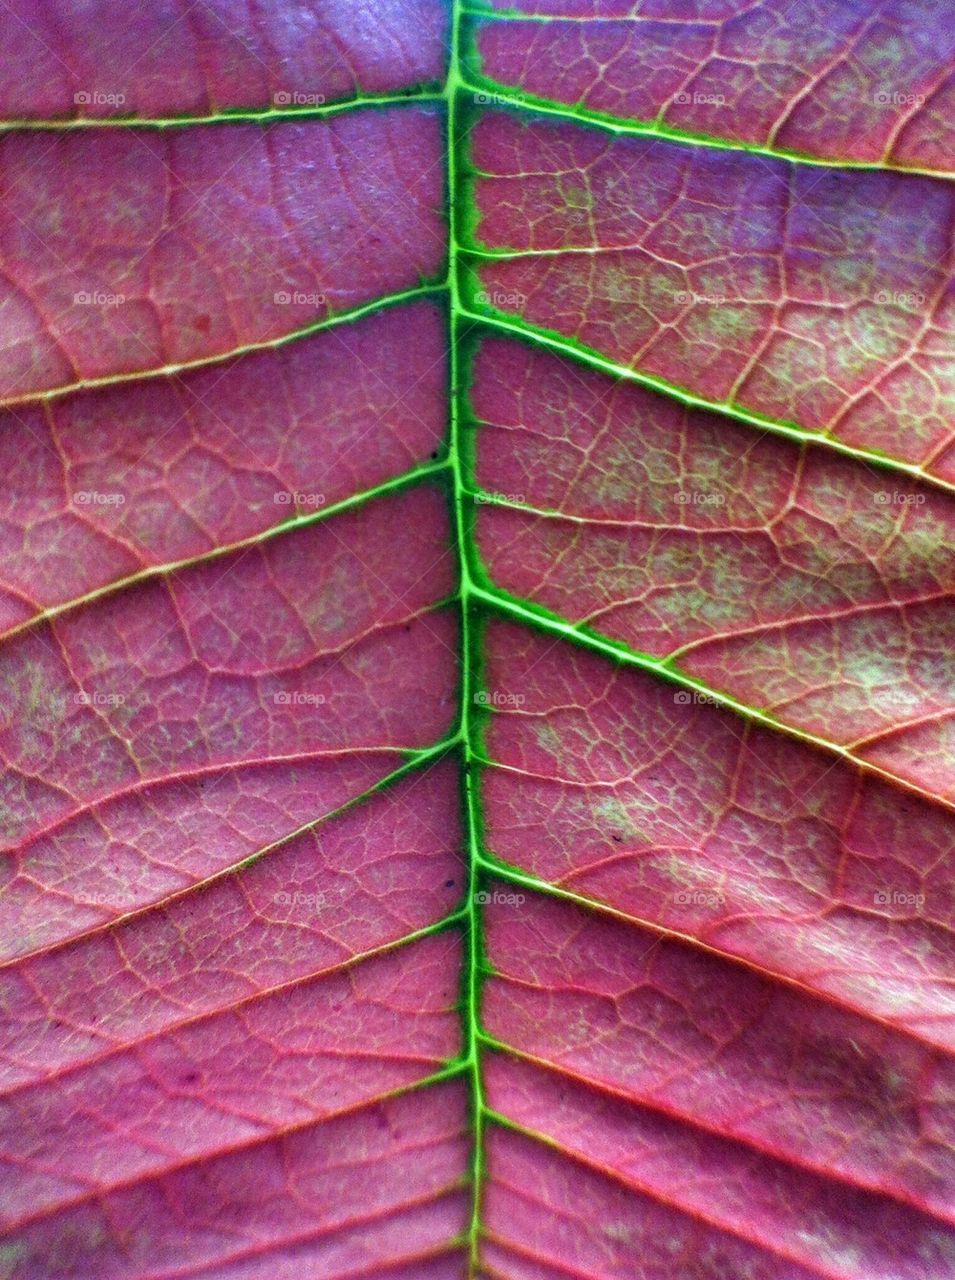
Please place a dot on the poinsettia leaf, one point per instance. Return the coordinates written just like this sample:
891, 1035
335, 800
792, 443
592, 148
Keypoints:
477, 709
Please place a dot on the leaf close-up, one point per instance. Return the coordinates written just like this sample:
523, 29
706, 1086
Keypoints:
477, 640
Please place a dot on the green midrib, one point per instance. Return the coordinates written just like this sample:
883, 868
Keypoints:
471, 985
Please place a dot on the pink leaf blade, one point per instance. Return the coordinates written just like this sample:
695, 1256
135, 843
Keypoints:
805, 1099
110, 484
177, 61
617, 787
819, 300
840, 82
804, 586
216, 239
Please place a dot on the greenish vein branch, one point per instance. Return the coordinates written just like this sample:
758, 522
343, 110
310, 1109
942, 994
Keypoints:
495, 94
333, 321
264, 115
540, 619
580, 354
